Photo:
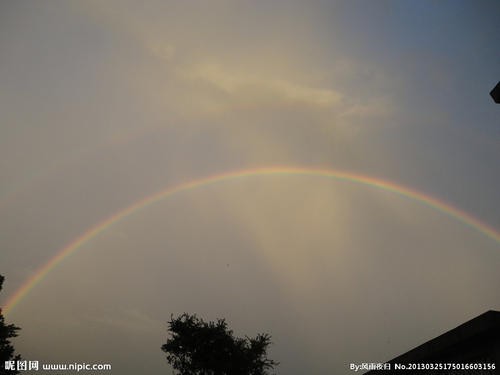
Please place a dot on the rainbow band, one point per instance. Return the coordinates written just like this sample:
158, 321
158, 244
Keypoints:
425, 199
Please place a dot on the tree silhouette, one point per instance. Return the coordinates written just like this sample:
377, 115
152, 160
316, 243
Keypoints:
200, 348
6, 349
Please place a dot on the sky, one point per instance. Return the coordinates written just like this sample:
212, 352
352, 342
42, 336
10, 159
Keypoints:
105, 104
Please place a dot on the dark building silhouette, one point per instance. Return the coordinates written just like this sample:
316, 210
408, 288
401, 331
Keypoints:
495, 93
474, 342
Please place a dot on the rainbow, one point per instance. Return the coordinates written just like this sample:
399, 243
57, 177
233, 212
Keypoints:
415, 195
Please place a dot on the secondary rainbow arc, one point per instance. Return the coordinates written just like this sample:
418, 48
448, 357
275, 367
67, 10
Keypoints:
415, 195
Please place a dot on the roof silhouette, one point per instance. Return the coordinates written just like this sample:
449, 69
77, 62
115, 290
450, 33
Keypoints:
475, 341
495, 93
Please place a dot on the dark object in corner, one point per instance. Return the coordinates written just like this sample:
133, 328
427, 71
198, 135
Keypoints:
476, 341
495, 93
7, 332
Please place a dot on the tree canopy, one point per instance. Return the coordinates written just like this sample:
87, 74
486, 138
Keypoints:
7, 331
196, 347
